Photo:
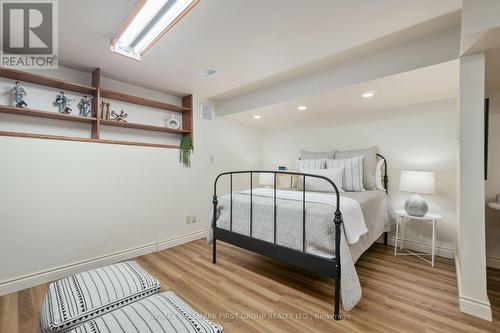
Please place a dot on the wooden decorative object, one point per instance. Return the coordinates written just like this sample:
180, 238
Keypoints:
100, 115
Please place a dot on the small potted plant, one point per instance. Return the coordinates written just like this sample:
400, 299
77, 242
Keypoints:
185, 151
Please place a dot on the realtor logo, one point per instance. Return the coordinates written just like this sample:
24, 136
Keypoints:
29, 33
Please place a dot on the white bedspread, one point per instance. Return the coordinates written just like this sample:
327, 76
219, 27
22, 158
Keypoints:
320, 229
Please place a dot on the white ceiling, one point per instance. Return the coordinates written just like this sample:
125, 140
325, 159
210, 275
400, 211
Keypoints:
418, 86
246, 40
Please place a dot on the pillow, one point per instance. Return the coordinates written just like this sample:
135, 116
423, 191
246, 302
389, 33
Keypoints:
165, 312
310, 164
311, 155
369, 164
321, 185
353, 172
379, 172
84, 296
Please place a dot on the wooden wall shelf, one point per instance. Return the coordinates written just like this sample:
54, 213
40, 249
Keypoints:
45, 81
95, 121
72, 138
143, 127
44, 114
117, 96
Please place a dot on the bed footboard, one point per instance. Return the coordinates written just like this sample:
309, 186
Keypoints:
324, 266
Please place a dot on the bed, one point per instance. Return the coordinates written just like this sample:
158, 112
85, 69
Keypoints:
295, 227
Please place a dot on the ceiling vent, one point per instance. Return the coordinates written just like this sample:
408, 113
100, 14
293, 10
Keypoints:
208, 72
207, 112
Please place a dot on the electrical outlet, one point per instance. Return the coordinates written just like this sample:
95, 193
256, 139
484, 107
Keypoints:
193, 218
188, 219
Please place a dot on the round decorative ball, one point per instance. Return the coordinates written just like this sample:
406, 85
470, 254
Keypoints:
416, 206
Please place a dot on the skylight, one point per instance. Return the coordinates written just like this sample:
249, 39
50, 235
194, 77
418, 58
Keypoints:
147, 23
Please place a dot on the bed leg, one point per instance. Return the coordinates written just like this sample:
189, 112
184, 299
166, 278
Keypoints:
214, 252
214, 225
385, 238
337, 299
338, 222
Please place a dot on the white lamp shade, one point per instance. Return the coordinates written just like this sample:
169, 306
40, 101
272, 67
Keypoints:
417, 182
266, 179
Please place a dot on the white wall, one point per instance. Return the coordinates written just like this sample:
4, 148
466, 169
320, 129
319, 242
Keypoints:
67, 203
422, 136
493, 183
480, 25
471, 248
479, 15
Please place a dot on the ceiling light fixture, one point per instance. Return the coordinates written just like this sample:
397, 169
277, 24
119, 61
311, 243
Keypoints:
147, 23
368, 94
257, 116
302, 108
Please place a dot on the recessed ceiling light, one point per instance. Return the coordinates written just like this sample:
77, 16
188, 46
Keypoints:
302, 108
368, 94
147, 23
257, 116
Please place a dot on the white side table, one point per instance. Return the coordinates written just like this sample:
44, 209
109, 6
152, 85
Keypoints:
428, 218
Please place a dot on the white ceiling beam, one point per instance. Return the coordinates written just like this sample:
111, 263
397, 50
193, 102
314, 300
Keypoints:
423, 52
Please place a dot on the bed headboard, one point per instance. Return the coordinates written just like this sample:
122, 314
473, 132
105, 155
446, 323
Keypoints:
385, 177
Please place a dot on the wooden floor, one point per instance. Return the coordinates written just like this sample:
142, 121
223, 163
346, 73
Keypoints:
243, 289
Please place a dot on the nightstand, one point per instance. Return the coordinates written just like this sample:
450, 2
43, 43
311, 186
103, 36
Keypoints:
428, 218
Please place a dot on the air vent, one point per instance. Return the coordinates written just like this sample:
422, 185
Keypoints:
208, 72
207, 112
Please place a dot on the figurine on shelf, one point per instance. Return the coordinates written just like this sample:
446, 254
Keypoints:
63, 102
108, 105
19, 94
84, 106
103, 114
119, 117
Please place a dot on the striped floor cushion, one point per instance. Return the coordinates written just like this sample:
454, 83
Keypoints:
81, 297
164, 312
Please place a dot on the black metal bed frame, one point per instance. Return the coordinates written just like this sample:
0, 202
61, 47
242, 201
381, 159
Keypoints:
311, 262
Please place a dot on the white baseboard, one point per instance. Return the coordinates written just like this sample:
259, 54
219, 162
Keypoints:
424, 247
31, 280
493, 262
467, 305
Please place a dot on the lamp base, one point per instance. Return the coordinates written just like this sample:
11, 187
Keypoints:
416, 206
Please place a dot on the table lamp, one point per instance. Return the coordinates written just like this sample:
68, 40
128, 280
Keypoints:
418, 182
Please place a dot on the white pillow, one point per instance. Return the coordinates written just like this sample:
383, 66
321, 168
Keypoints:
353, 172
321, 185
310, 164
378, 175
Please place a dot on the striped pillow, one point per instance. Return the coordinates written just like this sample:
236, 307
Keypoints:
81, 297
320, 185
165, 312
311, 164
353, 172
307, 164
